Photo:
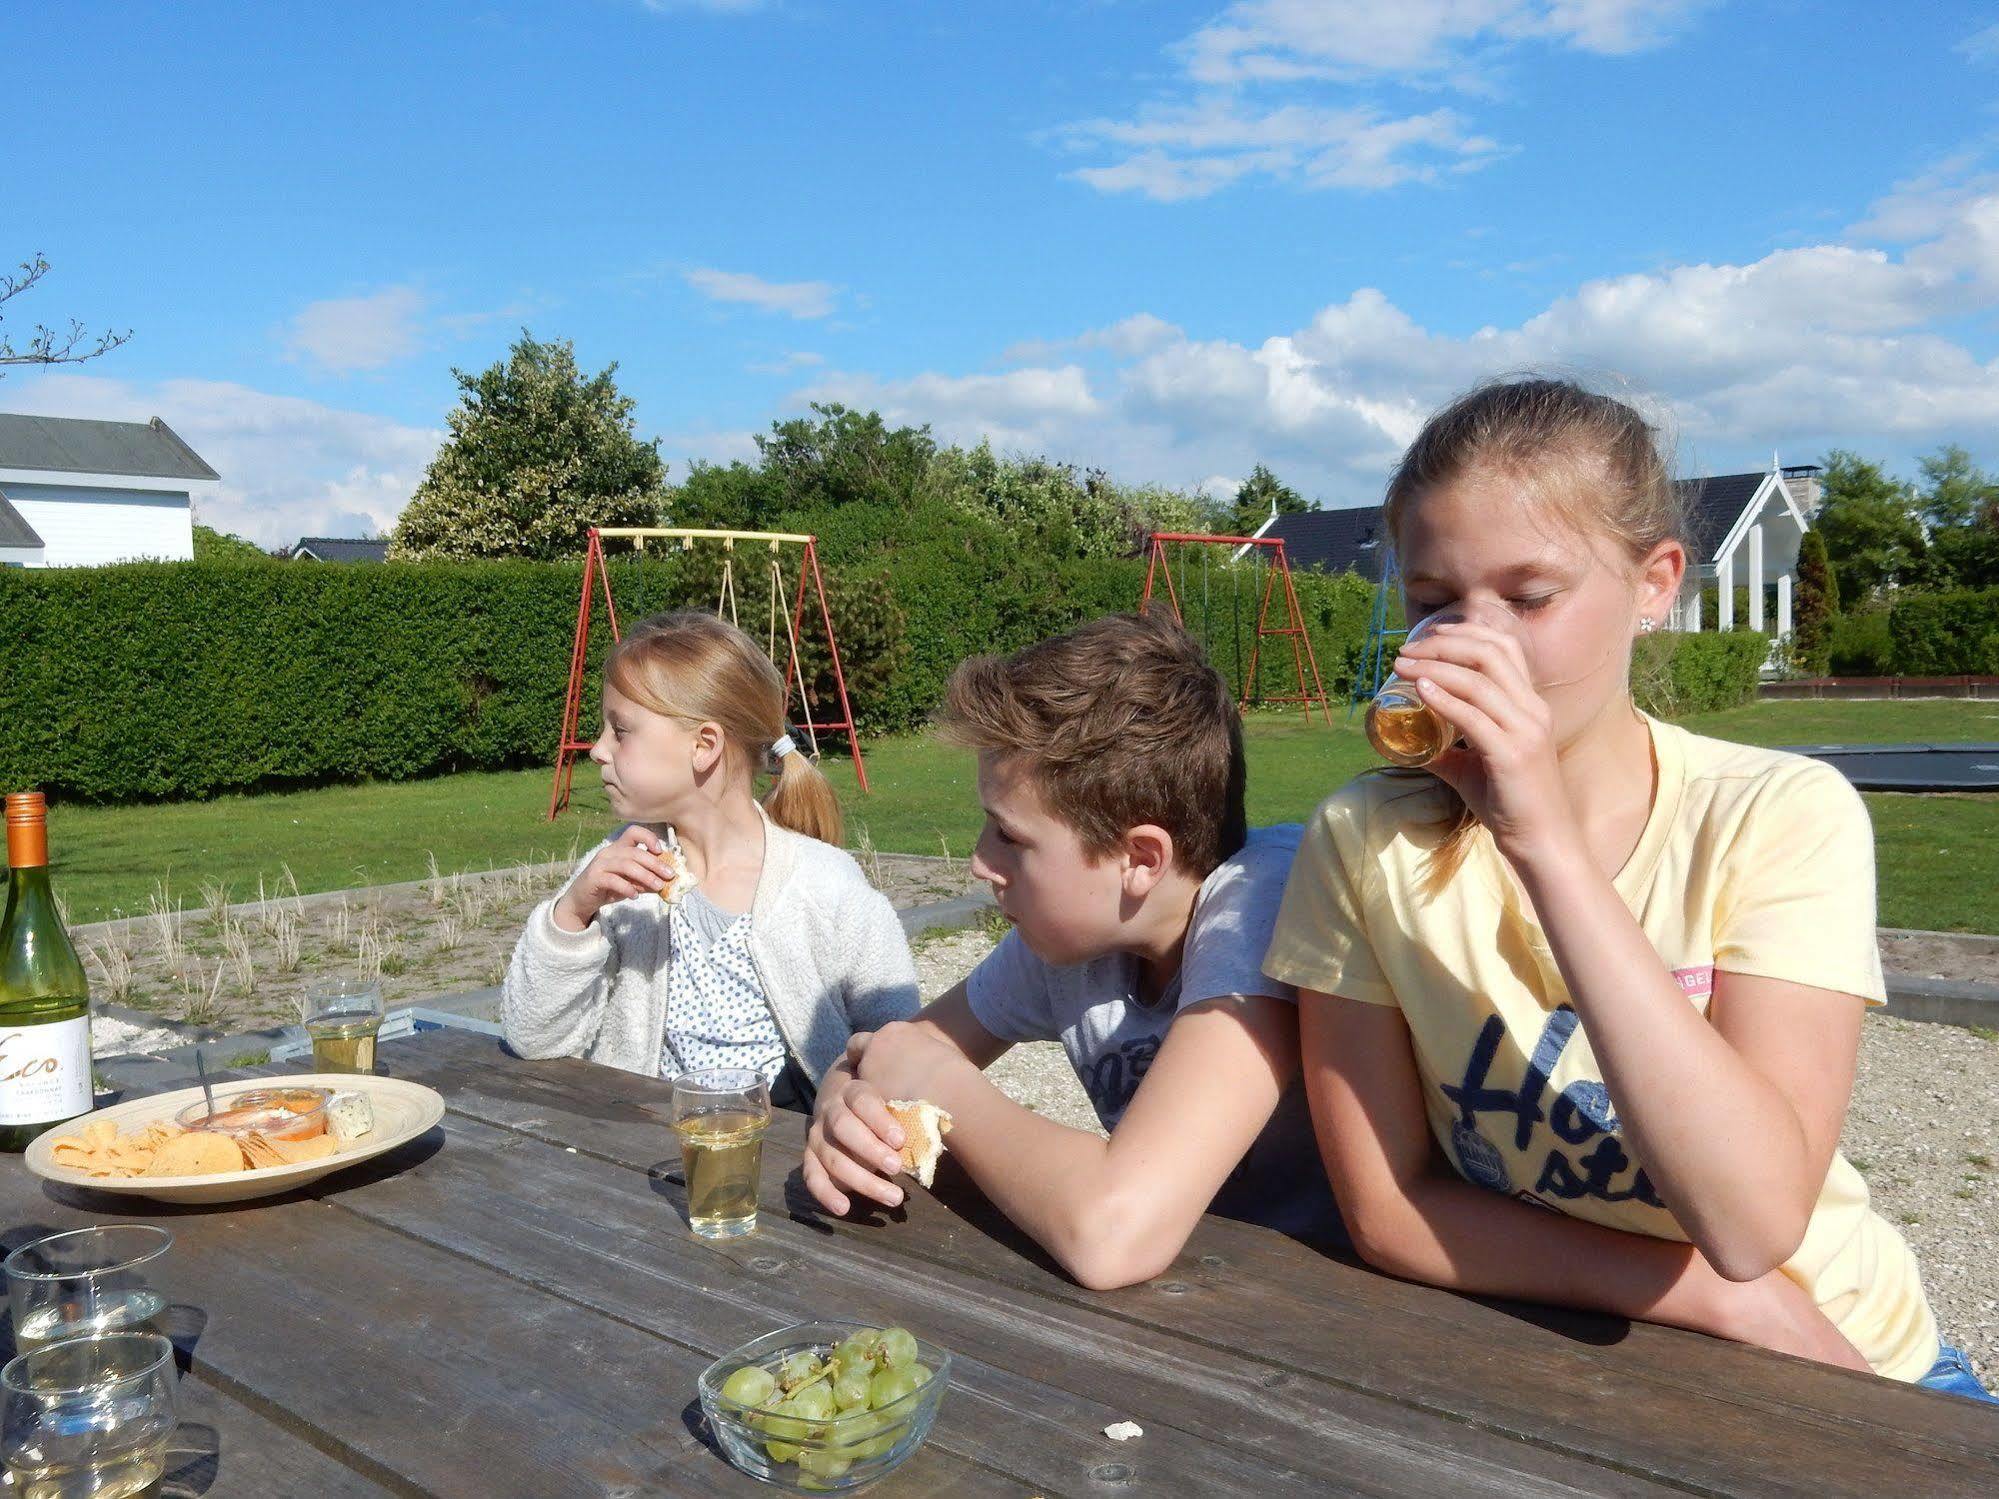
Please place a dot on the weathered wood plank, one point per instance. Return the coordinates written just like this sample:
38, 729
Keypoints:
1043, 1378
425, 1371
1706, 1415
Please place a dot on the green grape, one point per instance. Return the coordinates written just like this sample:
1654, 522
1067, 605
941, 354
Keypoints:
749, 1385
815, 1402
883, 1442
788, 1423
850, 1388
858, 1347
797, 1368
823, 1465
898, 1348
890, 1386
922, 1373
781, 1452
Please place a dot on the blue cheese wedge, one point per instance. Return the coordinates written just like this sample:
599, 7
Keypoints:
349, 1116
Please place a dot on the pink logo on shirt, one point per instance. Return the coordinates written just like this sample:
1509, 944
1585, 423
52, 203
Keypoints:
1695, 983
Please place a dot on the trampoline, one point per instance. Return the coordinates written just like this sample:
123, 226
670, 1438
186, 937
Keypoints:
1911, 767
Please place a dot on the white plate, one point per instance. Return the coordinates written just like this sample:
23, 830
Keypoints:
403, 1110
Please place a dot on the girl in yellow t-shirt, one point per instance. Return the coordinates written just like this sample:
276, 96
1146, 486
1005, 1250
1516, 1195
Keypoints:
1615, 971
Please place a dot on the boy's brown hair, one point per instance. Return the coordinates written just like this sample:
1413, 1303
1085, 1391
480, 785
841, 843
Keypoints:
1120, 722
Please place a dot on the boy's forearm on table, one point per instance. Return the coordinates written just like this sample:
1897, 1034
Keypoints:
1046, 1177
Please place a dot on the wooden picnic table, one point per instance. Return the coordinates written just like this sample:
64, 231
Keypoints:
513, 1306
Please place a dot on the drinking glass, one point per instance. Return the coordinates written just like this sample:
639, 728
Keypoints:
343, 1016
88, 1418
85, 1283
720, 1115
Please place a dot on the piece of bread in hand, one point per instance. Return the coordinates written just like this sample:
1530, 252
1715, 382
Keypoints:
924, 1127
683, 880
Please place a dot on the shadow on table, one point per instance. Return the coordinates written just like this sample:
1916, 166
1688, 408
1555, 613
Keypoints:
410, 1154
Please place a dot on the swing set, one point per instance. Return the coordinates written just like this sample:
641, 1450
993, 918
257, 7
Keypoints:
786, 606
1260, 552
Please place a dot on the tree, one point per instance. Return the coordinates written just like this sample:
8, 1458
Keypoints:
1871, 530
1956, 491
45, 345
537, 455
843, 457
211, 545
1037, 501
1817, 606
1967, 556
1258, 495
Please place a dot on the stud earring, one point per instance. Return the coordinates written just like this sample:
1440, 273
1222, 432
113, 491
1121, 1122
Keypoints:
1647, 624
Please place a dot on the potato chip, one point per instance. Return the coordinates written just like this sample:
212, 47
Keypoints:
298, 1152
197, 1153
260, 1150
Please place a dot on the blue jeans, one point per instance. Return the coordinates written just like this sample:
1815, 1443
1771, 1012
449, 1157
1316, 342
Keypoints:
1952, 1374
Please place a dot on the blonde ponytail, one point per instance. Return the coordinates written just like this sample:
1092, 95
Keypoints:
803, 801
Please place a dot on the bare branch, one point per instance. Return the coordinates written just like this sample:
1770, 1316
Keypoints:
46, 346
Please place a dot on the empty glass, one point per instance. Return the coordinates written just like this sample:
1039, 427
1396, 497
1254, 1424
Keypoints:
87, 1282
89, 1418
343, 1017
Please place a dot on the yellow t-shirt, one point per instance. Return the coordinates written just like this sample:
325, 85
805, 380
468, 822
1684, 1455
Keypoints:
1751, 861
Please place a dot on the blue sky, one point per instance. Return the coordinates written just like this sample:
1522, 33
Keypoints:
1170, 239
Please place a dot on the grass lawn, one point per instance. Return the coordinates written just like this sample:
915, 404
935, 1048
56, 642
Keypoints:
1939, 856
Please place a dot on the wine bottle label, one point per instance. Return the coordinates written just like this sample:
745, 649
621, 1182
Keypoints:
45, 1072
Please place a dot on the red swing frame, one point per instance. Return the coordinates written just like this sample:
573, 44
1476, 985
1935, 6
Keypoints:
572, 744
1158, 565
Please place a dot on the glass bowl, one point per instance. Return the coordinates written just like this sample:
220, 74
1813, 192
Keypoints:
842, 1452
275, 1113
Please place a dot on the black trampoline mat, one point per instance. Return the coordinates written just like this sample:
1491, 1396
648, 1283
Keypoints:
1911, 767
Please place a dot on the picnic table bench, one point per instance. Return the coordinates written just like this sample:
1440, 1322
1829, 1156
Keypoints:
513, 1305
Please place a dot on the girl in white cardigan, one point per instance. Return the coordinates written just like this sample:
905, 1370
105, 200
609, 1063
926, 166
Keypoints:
711, 931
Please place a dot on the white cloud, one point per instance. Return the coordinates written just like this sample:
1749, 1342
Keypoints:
1981, 46
1289, 40
787, 364
342, 334
1137, 334
289, 467
685, 449
1801, 350
1191, 150
1238, 114
799, 299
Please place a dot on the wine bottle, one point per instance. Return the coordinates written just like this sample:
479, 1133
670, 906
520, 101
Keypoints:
44, 996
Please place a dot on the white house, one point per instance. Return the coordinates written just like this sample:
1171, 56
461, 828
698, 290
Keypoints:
77, 493
1743, 532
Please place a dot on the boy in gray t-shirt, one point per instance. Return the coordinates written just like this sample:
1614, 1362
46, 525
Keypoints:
1111, 1033
1111, 773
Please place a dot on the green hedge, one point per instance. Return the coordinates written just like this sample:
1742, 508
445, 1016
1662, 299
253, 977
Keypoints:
153, 681
1674, 674
1946, 634
1862, 646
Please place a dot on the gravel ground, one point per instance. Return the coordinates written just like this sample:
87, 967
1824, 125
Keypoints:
1923, 1128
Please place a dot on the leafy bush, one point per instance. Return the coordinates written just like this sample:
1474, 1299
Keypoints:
1945, 634
1674, 674
1861, 645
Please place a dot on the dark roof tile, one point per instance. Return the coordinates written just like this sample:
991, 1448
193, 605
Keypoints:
68, 445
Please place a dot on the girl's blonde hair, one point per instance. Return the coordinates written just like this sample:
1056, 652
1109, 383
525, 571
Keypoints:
1595, 460
700, 669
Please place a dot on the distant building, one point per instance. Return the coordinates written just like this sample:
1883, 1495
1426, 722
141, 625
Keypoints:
79, 493
1743, 532
338, 549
